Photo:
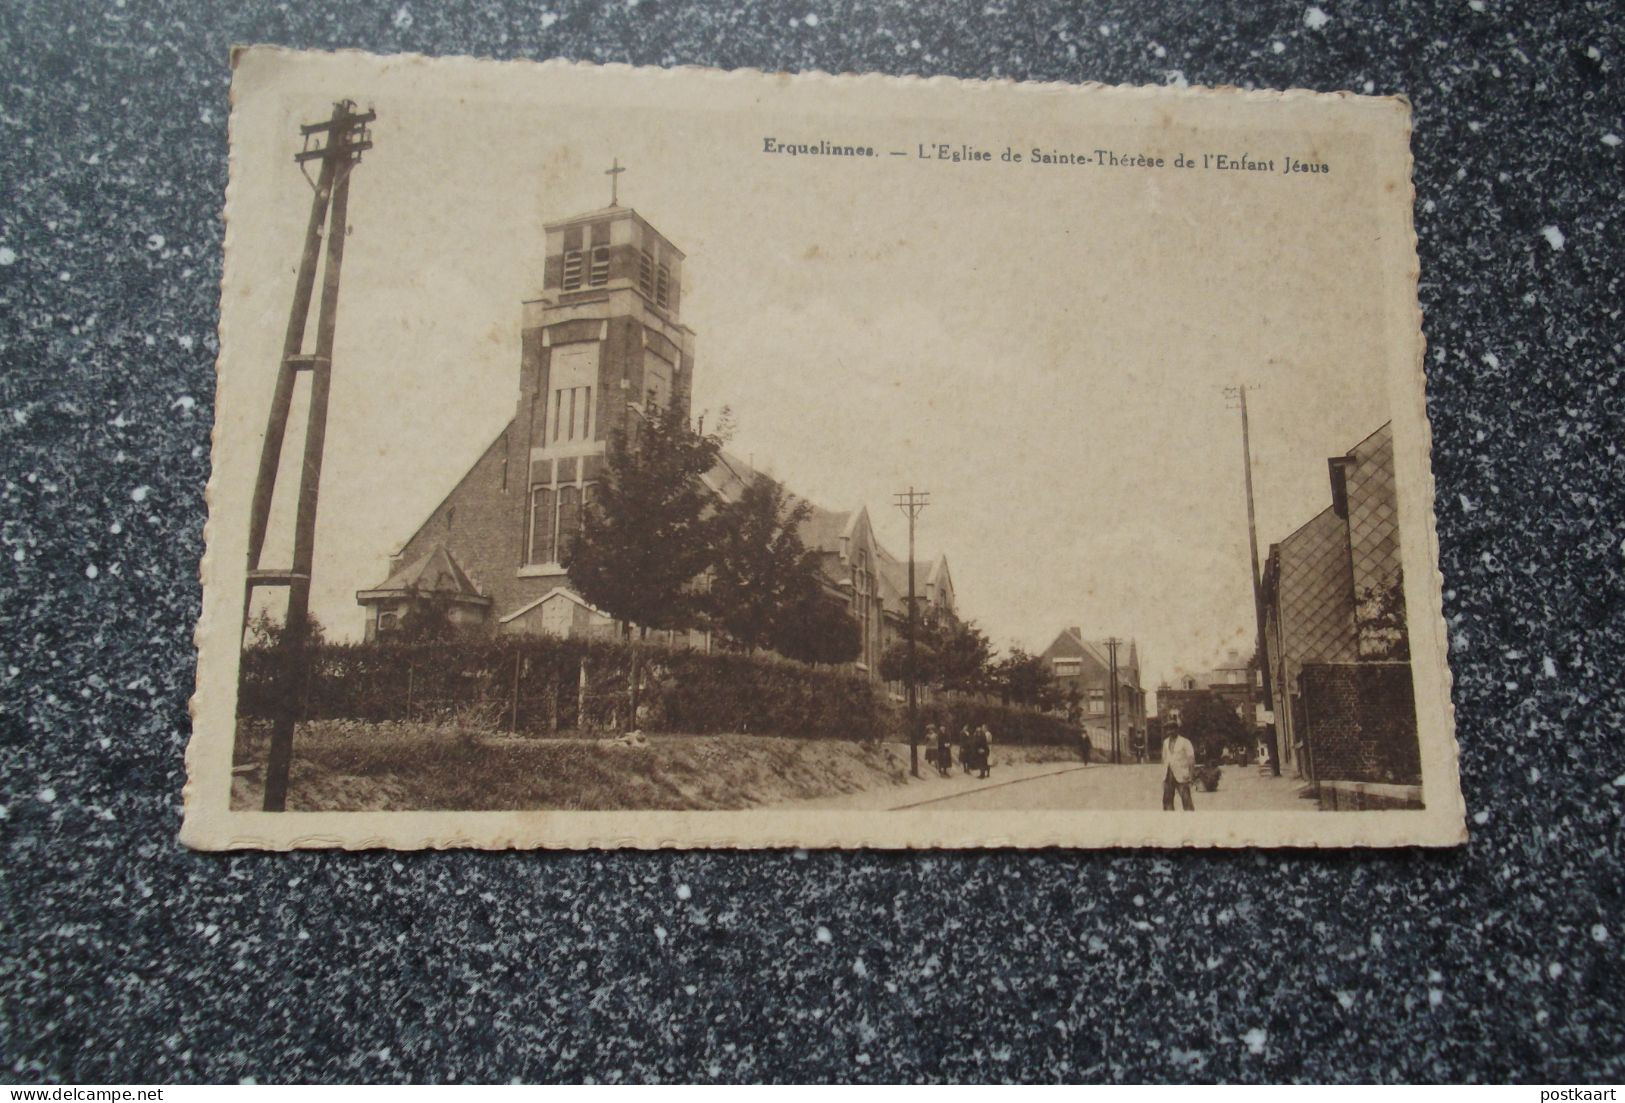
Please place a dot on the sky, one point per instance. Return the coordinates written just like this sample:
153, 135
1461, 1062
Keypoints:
1044, 349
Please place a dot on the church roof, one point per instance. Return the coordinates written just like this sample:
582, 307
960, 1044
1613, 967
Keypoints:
437, 572
895, 572
729, 477
823, 528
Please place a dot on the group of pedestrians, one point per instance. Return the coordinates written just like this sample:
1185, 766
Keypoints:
976, 753
975, 748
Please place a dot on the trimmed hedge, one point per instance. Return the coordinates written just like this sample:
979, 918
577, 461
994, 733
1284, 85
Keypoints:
471, 683
1008, 725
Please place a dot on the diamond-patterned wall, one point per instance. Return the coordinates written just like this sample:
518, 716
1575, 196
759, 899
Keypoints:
1373, 511
1317, 595
1373, 526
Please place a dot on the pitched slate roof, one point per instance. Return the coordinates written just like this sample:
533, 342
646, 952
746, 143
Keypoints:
1097, 650
894, 573
824, 528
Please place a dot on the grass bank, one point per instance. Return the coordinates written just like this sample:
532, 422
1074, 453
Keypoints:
355, 766
341, 765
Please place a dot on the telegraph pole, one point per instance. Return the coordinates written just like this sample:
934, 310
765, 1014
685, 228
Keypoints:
1240, 393
337, 144
912, 502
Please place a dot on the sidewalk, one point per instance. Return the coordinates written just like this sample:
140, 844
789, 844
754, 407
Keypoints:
931, 786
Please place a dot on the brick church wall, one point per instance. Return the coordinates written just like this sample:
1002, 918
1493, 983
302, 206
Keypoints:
1361, 722
481, 522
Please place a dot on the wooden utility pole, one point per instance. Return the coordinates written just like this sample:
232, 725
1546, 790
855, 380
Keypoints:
912, 502
1240, 393
338, 145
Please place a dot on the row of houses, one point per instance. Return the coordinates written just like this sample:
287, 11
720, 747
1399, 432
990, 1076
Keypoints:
604, 343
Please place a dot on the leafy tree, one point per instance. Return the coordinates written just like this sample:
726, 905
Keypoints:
648, 534
949, 653
964, 657
1211, 725
894, 661
1023, 678
761, 571
816, 629
427, 618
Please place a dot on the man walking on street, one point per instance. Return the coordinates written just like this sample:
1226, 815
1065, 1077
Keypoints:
1180, 756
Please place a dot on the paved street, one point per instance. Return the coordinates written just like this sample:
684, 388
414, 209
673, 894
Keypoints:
1072, 787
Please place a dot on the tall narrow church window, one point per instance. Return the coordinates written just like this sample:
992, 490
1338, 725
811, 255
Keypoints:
600, 266
569, 520
572, 270
572, 414
663, 285
541, 525
646, 274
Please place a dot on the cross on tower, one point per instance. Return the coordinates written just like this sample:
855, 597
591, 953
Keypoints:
614, 174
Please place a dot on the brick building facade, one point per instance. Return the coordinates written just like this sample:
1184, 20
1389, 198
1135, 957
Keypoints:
1083, 669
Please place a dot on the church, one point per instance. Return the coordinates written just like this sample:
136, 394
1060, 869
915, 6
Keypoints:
604, 342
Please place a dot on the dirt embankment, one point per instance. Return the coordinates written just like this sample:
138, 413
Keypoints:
351, 766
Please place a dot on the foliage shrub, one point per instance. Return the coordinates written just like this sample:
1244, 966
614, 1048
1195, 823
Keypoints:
471, 682
1008, 725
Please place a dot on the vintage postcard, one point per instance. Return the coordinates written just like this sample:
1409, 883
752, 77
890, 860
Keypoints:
626, 457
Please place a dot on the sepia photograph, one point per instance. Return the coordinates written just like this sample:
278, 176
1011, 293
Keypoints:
620, 457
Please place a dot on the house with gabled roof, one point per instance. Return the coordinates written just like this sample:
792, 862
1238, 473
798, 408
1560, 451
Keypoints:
1082, 667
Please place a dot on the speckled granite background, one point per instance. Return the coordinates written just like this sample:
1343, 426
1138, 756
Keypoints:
128, 958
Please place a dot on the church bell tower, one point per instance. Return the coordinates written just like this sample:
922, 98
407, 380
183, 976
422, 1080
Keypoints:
604, 343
